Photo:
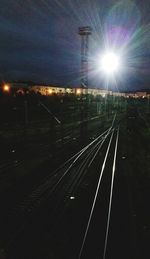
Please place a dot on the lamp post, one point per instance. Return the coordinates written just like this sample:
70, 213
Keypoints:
84, 33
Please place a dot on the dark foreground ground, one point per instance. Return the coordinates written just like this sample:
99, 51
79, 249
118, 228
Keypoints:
54, 227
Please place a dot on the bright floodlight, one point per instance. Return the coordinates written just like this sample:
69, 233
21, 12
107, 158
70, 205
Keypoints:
109, 63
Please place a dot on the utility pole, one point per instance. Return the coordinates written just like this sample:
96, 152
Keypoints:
84, 32
25, 120
52, 131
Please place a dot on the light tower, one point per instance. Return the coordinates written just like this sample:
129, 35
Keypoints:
84, 32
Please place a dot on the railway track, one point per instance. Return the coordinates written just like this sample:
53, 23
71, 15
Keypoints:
49, 185
97, 198
91, 170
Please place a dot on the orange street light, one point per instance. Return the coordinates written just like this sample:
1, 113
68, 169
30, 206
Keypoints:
50, 91
6, 88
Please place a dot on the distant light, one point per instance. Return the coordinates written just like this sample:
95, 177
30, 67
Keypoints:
78, 91
109, 63
68, 90
72, 198
103, 95
6, 88
50, 91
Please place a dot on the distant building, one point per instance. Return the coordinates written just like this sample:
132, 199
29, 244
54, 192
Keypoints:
47, 90
118, 94
140, 94
130, 95
92, 91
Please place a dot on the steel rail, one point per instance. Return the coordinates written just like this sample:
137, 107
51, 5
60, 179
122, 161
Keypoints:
95, 197
110, 199
72, 164
86, 147
40, 191
34, 198
47, 179
111, 194
75, 157
42, 188
90, 158
81, 171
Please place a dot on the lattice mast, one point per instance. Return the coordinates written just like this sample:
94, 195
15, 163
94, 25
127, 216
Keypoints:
84, 32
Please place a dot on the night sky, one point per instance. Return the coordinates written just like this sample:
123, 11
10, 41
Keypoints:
40, 42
